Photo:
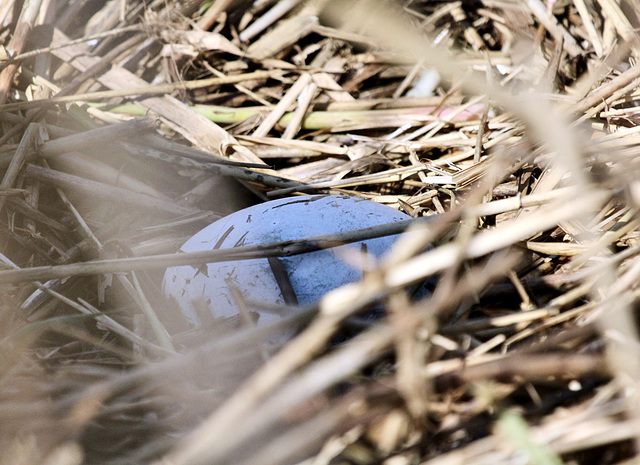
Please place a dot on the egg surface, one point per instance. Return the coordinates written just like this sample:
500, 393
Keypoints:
311, 275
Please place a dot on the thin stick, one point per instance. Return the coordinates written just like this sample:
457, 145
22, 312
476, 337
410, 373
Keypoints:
283, 106
276, 249
151, 89
18, 159
26, 22
105, 191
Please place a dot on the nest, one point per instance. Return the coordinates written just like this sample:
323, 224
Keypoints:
505, 129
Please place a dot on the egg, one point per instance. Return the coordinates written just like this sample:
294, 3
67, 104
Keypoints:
222, 287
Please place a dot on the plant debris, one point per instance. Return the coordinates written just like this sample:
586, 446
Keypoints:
505, 129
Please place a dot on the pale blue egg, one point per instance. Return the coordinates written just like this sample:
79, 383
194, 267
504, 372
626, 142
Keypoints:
311, 275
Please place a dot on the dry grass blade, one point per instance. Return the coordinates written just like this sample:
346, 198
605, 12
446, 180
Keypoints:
25, 23
500, 327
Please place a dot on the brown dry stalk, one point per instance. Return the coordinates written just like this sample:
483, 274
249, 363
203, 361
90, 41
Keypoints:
26, 22
149, 89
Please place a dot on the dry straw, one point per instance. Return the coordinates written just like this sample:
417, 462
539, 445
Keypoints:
125, 127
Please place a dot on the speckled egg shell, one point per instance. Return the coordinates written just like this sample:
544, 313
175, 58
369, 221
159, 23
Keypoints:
311, 275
